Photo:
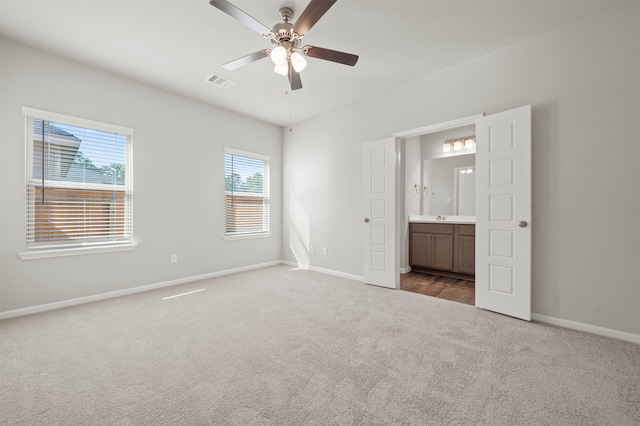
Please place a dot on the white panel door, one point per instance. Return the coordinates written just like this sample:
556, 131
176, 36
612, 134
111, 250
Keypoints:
378, 181
503, 231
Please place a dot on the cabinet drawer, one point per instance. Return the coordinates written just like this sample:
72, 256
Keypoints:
432, 228
467, 229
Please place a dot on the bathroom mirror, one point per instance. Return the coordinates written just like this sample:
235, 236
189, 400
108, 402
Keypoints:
449, 186
464, 188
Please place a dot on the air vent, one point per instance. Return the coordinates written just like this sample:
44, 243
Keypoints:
220, 81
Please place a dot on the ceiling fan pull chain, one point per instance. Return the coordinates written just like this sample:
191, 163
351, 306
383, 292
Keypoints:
290, 110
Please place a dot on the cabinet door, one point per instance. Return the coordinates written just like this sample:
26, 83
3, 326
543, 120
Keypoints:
421, 249
467, 254
442, 251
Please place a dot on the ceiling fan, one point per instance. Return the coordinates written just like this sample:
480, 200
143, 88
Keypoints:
286, 37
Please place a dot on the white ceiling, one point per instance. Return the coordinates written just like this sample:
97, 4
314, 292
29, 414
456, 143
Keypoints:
177, 44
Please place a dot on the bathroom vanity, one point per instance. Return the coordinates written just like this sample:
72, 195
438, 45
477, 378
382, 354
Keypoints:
443, 246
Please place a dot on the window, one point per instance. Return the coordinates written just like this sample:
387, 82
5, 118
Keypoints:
246, 180
79, 185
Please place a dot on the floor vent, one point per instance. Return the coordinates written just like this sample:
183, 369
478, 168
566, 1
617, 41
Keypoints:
220, 81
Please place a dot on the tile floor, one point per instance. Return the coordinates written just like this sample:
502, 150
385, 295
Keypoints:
457, 290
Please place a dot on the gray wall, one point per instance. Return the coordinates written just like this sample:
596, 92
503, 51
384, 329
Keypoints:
178, 206
583, 82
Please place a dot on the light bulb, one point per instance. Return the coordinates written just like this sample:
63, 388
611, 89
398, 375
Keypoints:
279, 55
446, 147
299, 63
282, 69
468, 144
457, 146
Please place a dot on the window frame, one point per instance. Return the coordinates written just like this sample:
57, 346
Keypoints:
266, 195
34, 250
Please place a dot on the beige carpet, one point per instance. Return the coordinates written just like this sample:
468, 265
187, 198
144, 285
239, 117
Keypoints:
278, 346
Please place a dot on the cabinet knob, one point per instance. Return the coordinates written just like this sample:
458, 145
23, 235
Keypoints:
366, 220
523, 224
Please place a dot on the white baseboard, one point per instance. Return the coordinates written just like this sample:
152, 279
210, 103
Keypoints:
573, 325
593, 329
124, 292
405, 270
324, 271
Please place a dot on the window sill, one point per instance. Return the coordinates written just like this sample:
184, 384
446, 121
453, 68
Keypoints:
246, 236
76, 251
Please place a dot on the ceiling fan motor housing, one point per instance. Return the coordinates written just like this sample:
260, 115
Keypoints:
284, 33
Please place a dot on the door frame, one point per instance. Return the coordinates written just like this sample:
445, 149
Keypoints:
399, 184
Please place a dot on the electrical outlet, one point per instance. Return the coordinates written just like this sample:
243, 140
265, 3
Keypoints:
311, 249
325, 251
174, 258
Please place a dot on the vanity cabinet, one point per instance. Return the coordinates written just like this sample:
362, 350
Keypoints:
432, 246
442, 247
466, 247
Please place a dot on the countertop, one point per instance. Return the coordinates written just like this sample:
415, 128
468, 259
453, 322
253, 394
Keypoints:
466, 220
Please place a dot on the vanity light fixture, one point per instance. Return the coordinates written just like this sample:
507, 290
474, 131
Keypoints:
469, 143
458, 144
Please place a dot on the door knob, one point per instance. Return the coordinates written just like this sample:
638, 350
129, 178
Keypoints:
523, 224
366, 220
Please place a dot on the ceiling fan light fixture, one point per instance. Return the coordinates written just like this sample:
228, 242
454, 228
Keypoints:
285, 38
279, 55
282, 69
298, 61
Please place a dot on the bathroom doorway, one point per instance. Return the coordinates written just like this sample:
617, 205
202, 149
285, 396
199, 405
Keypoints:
503, 210
439, 181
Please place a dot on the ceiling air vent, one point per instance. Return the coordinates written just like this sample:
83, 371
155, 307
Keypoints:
220, 81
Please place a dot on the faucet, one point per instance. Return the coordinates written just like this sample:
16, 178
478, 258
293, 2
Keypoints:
440, 217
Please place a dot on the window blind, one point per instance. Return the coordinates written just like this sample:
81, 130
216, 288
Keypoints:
79, 185
246, 193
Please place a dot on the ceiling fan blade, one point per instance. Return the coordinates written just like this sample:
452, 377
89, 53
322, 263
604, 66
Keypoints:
252, 57
294, 78
331, 55
311, 15
241, 16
